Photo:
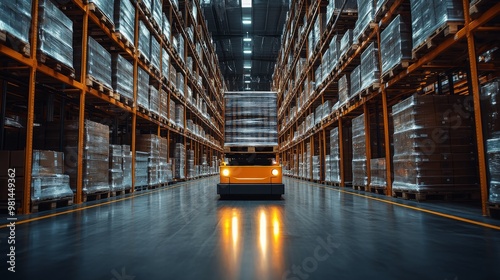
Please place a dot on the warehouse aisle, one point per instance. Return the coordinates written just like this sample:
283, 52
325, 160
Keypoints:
313, 233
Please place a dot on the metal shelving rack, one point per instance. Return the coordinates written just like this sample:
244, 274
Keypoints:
25, 79
451, 53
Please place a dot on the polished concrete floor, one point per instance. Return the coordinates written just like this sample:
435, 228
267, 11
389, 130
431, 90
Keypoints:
186, 232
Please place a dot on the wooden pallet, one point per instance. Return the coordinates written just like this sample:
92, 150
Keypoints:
15, 43
95, 196
437, 37
142, 110
144, 59
251, 149
478, 7
101, 16
141, 188
55, 64
144, 8
365, 32
440, 195
360, 188
400, 67
383, 9
378, 189
127, 101
51, 204
99, 86
371, 88
125, 41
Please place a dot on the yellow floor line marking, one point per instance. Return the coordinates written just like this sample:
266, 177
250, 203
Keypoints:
410, 207
20, 222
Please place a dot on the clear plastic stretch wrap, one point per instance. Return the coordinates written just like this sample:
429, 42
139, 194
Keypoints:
395, 44
191, 172
343, 90
345, 42
115, 168
154, 100
355, 80
180, 160
147, 4
55, 34
429, 15
315, 167
150, 143
142, 88
122, 78
490, 98
180, 82
99, 62
127, 167
173, 76
163, 104
15, 18
165, 64
180, 45
251, 119
359, 175
48, 181
95, 156
144, 40
366, 13
50, 187
179, 115
164, 169
378, 172
369, 66
166, 27
334, 7
308, 167
171, 111
155, 53
124, 16
141, 169
157, 11
334, 156
433, 144
105, 6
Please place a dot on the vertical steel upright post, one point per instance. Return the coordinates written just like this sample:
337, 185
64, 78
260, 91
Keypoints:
26, 201
477, 111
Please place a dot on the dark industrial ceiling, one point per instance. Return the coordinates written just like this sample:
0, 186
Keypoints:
256, 29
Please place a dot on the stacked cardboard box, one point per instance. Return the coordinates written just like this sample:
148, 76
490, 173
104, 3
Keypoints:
127, 167
366, 13
369, 70
116, 168
144, 41
142, 88
99, 63
124, 16
395, 44
15, 18
154, 100
359, 175
180, 160
149, 143
334, 156
378, 172
105, 6
155, 53
141, 169
48, 181
122, 78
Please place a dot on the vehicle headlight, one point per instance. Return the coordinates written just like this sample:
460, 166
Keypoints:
275, 172
225, 172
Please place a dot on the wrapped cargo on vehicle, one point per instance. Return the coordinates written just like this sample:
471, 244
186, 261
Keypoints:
55, 33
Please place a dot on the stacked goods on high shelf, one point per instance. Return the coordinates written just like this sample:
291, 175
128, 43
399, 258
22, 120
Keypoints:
366, 13
116, 168
124, 16
166, 28
429, 16
171, 111
154, 100
191, 171
355, 81
98, 63
179, 115
180, 83
165, 64
149, 143
163, 104
331, 57
395, 45
141, 169
178, 43
55, 35
155, 53
156, 11
180, 160
490, 97
95, 156
315, 168
127, 167
165, 168
334, 158
343, 90
144, 41
251, 119
48, 181
359, 175
122, 78
334, 7
369, 70
345, 42
142, 88
307, 160
378, 173
106, 7
15, 18
433, 148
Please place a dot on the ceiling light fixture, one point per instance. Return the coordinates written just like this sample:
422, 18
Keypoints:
246, 3
247, 51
